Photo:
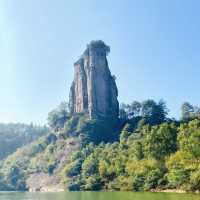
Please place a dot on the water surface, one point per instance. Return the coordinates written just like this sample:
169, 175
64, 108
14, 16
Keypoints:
96, 196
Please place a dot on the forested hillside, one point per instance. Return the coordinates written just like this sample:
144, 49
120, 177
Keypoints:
13, 136
153, 153
142, 150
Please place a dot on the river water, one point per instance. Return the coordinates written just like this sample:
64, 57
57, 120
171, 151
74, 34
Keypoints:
96, 196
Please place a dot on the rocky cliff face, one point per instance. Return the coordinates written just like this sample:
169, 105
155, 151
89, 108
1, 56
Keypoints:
94, 90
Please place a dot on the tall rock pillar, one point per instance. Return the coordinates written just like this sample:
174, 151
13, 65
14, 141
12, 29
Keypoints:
94, 90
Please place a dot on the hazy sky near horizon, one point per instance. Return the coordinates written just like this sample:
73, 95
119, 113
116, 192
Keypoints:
155, 48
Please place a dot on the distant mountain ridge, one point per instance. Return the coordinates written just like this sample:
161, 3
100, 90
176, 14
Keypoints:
15, 135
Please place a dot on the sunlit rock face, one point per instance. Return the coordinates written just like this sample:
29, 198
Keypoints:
93, 89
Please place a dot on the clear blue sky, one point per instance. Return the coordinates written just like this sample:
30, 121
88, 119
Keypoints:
155, 51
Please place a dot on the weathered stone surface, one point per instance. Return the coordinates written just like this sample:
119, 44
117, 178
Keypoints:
93, 89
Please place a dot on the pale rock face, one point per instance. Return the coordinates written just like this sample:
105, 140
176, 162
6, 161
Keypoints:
94, 90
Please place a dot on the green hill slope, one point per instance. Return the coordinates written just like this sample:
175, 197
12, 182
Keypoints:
137, 152
13, 136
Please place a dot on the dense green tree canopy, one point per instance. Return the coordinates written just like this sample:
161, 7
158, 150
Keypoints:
142, 150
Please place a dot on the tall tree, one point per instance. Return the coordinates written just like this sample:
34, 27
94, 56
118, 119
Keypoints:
58, 116
155, 113
187, 111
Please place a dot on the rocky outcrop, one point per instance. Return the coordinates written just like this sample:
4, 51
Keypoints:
93, 89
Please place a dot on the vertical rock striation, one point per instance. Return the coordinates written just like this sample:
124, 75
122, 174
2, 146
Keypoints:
93, 89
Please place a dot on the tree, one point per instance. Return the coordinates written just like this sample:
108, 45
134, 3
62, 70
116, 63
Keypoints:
58, 117
73, 169
123, 111
2, 183
103, 168
100, 130
148, 107
189, 138
178, 172
135, 108
126, 132
145, 173
128, 111
155, 113
161, 141
187, 111
15, 178
195, 180
90, 166
136, 149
